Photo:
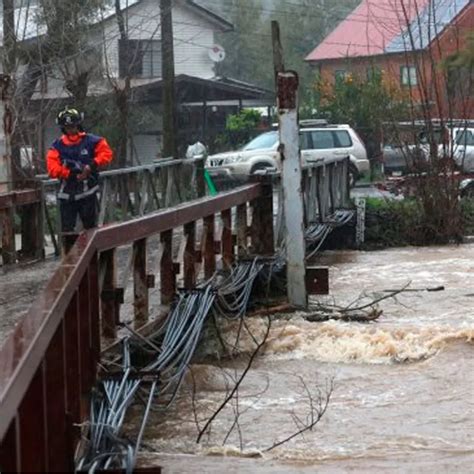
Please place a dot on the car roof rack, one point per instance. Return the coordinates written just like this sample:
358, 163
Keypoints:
310, 123
313, 123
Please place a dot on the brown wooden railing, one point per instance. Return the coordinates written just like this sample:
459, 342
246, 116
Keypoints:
26, 205
126, 193
48, 366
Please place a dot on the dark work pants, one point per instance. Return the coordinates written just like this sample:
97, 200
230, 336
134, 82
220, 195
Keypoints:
86, 208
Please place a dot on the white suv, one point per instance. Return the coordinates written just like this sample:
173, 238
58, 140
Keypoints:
461, 148
317, 142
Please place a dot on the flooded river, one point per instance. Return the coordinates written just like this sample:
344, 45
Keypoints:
403, 396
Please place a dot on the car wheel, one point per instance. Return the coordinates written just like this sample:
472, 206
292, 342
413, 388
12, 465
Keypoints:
353, 175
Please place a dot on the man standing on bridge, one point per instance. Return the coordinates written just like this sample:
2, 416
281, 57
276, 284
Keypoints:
74, 158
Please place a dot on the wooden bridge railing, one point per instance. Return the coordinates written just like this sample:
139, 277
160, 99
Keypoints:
126, 193
49, 364
26, 207
325, 188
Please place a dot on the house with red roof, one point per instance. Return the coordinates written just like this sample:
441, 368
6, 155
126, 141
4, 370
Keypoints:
408, 41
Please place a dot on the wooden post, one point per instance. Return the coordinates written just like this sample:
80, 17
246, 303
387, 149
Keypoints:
9, 161
32, 234
55, 386
208, 247
109, 305
8, 235
200, 185
227, 245
140, 284
277, 51
262, 219
94, 305
292, 192
242, 230
167, 275
189, 257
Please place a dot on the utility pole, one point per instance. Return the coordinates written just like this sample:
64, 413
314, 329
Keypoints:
277, 51
287, 102
7, 172
168, 92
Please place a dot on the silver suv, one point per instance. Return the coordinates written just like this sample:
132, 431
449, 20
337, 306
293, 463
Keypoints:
317, 142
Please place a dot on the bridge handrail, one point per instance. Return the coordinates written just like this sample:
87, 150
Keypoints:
24, 357
125, 193
157, 164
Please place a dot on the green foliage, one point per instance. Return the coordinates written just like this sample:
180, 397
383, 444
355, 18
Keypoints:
391, 223
303, 25
364, 103
467, 211
463, 58
240, 128
246, 120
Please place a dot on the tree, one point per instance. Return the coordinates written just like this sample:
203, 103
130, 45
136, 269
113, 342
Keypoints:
303, 24
246, 48
365, 104
58, 51
427, 106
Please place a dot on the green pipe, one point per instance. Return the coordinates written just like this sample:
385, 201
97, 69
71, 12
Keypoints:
210, 184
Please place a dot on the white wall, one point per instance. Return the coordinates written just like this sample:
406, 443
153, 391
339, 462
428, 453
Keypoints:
193, 36
146, 149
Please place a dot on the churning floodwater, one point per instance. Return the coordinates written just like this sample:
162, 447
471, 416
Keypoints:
403, 396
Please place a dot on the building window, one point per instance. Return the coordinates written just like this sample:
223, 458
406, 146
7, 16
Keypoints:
408, 76
340, 75
140, 58
373, 73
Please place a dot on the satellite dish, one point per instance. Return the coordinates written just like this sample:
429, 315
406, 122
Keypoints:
217, 53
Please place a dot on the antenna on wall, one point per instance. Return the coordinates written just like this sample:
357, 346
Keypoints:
217, 53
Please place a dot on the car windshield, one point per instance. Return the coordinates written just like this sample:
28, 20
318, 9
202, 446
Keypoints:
465, 138
262, 142
424, 137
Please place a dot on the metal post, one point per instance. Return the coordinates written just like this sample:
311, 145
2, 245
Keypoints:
292, 182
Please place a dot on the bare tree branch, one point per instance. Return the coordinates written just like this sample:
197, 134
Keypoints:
237, 385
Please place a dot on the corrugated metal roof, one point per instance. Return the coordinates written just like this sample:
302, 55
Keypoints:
436, 16
380, 26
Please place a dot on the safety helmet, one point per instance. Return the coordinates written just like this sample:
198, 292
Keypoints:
69, 117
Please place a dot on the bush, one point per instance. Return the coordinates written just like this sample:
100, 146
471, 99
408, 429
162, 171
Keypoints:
467, 211
401, 223
240, 128
393, 223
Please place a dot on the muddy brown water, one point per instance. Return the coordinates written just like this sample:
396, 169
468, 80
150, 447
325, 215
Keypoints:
403, 398
404, 386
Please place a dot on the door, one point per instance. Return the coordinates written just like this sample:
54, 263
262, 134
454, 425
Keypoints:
305, 146
322, 145
342, 142
464, 148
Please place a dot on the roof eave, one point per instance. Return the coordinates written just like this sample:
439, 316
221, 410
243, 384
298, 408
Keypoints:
217, 19
317, 62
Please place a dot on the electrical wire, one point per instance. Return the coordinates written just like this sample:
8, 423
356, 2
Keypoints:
168, 351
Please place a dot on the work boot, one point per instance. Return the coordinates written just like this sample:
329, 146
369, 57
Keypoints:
68, 239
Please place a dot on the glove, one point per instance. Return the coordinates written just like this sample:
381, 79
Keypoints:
73, 166
86, 172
